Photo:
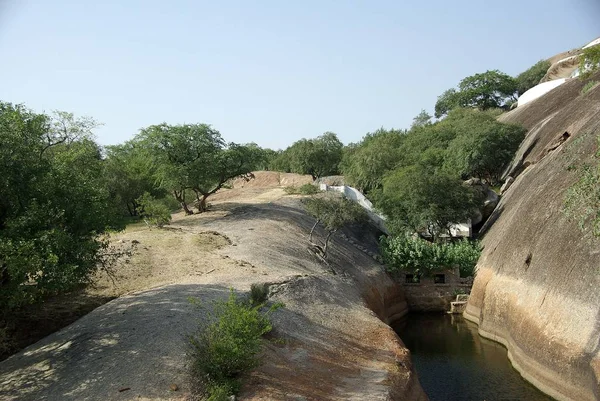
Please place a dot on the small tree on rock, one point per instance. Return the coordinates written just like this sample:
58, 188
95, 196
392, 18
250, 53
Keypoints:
333, 214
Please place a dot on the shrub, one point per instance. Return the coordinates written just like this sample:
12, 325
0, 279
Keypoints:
406, 252
306, 189
228, 346
259, 293
155, 212
588, 87
589, 61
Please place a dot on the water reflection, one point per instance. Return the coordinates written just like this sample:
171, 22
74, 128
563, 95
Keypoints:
455, 363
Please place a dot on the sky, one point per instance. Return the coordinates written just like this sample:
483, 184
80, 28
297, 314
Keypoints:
269, 72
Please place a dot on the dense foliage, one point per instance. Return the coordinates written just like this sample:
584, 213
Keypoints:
589, 61
194, 157
365, 163
415, 177
54, 204
417, 200
411, 253
318, 157
488, 90
229, 344
530, 78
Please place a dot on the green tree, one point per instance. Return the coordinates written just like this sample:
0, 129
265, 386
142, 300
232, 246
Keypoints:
488, 90
589, 61
530, 78
318, 157
483, 146
333, 213
364, 164
416, 200
130, 174
53, 205
422, 119
195, 156
446, 101
280, 162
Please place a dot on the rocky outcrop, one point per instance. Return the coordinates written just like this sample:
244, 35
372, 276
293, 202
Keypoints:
537, 289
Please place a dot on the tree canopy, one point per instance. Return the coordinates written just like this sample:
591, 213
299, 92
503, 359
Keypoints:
589, 61
531, 77
195, 157
416, 200
54, 203
488, 90
318, 157
365, 163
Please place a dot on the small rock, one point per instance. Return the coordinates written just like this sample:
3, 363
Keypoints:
135, 242
173, 387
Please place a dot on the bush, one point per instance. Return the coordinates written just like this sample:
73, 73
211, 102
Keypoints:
306, 189
259, 293
154, 211
588, 87
406, 252
589, 61
228, 346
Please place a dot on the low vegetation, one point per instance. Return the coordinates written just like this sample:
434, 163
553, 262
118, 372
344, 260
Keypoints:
589, 61
589, 86
582, 200
411, 253
229, 344
306, 189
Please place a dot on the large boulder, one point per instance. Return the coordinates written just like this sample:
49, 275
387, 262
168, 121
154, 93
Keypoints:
537, 289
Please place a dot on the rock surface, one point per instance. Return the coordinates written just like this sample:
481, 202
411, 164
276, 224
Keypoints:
537, 288
331, 340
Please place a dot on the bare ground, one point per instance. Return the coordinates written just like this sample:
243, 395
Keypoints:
329, 344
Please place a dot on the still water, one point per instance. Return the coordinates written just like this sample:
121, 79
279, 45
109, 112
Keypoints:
454, 363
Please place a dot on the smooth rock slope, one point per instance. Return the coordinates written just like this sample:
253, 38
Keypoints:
537, 288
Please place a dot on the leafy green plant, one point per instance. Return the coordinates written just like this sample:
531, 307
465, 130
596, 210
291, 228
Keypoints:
54, 205
589, 61
228, 346
589, 86
259, 293
155, 212
407, 252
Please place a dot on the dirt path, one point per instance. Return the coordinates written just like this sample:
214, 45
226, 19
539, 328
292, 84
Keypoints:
330, 346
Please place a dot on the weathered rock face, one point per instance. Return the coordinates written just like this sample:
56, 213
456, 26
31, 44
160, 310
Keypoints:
538, 284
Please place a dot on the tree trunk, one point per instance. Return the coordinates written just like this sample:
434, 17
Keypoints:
327, 243
313, 229
130, 210
181, 199
201, 201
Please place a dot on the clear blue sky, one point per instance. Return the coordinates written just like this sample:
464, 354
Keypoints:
270, 72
